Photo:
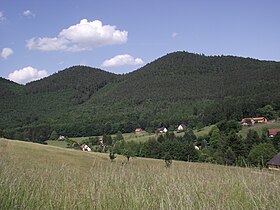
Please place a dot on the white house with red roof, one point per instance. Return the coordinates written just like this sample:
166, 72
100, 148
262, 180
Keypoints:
253, 120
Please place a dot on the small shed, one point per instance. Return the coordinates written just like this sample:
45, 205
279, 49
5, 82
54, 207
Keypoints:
274, 163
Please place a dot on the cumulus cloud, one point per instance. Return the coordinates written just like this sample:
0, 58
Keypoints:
2, 17
47, 44
6, 52
28, 13
122, 60
27, 74
83, 36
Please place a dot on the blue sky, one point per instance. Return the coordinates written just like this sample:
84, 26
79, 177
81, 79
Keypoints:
38, 38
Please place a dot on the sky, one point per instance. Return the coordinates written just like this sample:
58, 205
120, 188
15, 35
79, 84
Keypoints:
39, 38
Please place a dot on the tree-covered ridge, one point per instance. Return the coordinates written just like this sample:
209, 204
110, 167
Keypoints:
83, 81
183, 75
71, 78
180, 87
9, 88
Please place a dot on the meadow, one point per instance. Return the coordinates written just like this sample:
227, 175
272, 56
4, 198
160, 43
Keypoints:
34, 176
259, 127
142, 137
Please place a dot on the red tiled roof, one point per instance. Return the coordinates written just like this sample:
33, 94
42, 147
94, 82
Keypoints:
258, 118
273, 132
254, 118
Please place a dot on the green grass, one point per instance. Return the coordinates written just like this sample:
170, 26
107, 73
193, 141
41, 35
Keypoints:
127, 136
141, 137
258, 127
203, 131
56, 143
34, 176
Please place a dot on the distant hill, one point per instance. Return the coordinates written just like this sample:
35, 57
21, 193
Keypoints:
8, 88
184, 75
178, 87
81, 80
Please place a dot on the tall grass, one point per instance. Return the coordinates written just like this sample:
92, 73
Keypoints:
43, 177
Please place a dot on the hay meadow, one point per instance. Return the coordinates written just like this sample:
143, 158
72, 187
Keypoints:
34, 176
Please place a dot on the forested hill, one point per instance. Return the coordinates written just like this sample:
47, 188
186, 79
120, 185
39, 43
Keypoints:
184, 75
179, 87
83, 81
8, 88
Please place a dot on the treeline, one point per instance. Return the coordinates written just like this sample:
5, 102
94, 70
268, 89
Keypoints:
180, 148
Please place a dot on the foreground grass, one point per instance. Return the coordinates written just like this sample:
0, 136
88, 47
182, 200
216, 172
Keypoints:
36, 176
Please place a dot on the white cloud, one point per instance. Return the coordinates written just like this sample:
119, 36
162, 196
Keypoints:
27, 74
2, 17
122, 60
174, 34
47, 44
6, 52
83, 36
28, 13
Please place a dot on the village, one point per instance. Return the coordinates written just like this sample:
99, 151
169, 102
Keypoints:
272, 127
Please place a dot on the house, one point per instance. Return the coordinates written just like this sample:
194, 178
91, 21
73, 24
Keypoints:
273, 132
85, 148
259, 119
253, 120
274, 163
181, 128
162, 130
247, 122
138, 130
61, 138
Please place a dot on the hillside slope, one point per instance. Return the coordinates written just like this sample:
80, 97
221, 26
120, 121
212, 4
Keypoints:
9, 88
190, 88
184, 76
48, 101
178, 87
32, 175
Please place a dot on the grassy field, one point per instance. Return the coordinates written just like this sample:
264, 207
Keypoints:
34, 176
259, 128
142, 137
62, 144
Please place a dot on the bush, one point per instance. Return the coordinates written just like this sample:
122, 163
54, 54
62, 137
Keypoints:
260, 154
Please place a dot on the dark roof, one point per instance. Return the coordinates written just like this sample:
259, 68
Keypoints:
275, 160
